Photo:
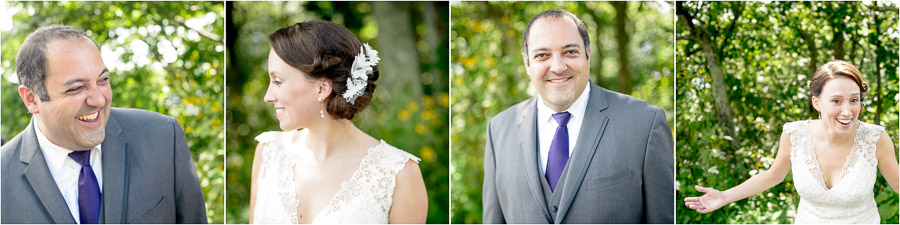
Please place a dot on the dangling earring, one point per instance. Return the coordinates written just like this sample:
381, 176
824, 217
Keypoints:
322, 111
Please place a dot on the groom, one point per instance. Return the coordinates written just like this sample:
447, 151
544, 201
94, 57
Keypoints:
576, 153
81, 161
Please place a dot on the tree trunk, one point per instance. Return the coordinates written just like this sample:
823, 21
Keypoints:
838, 25
714, 64
435, 35
596, 56
622, 39
236, 81
400, 68
812, 48
879, 59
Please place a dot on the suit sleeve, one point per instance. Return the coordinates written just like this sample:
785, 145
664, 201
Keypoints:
189, 204
492, 212
658, 175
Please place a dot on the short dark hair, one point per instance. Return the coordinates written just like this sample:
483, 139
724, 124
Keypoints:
835, 69
323, 49
31, 61
557, 13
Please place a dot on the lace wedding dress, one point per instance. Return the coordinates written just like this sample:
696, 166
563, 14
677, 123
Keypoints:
850, 199
365, 198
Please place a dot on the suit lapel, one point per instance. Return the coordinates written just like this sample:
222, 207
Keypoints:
114, 170
37, 175
527, 126
592, 128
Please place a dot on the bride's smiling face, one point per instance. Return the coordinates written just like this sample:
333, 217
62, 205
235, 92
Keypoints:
294, 96
840, 103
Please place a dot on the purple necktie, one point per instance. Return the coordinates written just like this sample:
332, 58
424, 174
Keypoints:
559, 150
88, 189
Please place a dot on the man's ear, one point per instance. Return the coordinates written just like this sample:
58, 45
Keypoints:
325, 86
588, 54
525, 58
30, 98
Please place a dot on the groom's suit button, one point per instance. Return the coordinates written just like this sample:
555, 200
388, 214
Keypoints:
554, 208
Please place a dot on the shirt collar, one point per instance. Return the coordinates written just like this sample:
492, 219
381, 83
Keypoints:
56, 155
576, 110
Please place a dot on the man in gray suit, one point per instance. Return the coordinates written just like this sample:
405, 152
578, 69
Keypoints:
81, 161
576, 153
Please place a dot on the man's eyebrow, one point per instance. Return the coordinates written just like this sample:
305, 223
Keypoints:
539, 50
102, 72
70, 82
573, 45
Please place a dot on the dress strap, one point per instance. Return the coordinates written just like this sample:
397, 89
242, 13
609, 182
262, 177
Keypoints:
865, 141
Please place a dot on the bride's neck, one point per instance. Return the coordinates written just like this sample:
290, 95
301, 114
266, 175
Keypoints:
832, 138
325, 139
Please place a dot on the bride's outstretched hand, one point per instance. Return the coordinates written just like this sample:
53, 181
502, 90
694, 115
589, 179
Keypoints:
712, 200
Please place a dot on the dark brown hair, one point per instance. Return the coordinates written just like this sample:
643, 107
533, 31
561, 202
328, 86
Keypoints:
557, 13
31, 61
835, 69
323, 49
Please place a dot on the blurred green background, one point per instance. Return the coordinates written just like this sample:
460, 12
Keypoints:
411, 103
751, 78
165, 57
631, 53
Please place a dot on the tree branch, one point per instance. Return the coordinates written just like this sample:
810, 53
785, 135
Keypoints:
738, 10
180, 21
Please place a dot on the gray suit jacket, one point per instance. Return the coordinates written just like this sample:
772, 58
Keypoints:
621, 170
148, 175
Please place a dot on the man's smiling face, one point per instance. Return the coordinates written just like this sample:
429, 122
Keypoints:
77, 83
556, 62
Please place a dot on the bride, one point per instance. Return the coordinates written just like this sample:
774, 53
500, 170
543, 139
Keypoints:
834, 159
330, 171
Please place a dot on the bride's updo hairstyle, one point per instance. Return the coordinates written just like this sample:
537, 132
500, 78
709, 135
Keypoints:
323, 49
835, 69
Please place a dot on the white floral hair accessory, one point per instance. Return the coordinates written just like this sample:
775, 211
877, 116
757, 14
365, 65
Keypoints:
359, 72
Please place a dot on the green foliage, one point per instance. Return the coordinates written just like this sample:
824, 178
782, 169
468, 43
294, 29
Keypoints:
489, 74
184, 82
415, 121
766, 63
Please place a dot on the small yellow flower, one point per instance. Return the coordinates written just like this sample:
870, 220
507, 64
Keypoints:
427, 153
445, 99
403, 115
489, 62
412, 106
428, 114
421, 129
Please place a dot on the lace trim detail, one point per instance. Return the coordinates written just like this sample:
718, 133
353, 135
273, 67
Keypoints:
365, 198
376, 177
863, 148
800, 144
865, 142
274, 157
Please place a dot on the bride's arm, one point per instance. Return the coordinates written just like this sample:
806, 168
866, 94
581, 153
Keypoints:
887, 161
256, 161
715, 199
410, 204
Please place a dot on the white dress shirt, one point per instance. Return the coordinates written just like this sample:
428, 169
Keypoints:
65, 170
547, 125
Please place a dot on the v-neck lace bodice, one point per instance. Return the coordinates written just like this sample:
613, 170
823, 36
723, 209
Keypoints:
850, 198
365, 198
